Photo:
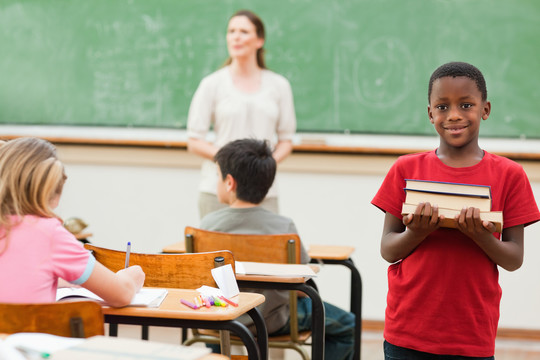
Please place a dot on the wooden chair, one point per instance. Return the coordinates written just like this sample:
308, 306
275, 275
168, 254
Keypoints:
79, 319
166, 270
281, 249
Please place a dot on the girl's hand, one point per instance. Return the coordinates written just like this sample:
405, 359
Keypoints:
135, 274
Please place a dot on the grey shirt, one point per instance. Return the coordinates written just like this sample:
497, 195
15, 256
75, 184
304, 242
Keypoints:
257, 220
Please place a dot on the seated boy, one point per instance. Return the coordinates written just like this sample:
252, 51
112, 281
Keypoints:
246, 170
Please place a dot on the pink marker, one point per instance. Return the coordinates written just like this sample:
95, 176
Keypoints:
187, 303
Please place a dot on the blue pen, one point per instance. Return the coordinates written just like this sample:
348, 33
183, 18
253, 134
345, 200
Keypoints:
128, 250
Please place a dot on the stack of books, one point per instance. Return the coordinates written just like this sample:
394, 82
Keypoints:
450, 199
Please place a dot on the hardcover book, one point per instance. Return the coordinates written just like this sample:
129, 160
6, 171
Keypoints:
450, 199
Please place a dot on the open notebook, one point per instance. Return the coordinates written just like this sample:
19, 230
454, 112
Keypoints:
148, 297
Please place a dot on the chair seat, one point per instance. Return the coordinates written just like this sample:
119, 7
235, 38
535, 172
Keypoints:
303, 336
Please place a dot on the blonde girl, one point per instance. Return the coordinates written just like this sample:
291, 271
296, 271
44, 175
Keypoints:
35, 249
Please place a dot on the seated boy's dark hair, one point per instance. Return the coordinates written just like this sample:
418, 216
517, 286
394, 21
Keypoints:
455, 69
251, 164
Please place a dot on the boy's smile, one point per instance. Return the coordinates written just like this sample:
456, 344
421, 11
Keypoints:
456, 109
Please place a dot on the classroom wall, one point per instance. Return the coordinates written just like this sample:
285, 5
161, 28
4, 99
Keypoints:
148, 195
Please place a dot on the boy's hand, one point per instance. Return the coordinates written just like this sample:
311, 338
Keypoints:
469, 222
424, 221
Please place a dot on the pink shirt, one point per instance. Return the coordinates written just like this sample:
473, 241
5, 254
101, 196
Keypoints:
39, 251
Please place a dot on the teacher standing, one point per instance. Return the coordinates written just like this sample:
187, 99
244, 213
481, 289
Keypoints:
243, 99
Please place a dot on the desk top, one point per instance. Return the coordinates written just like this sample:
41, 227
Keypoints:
172, 308
178, 247
328, 252
277, 278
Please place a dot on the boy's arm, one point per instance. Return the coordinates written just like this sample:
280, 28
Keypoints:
401, 237
507, 253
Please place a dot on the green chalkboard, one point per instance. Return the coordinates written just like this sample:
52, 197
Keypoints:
358, 66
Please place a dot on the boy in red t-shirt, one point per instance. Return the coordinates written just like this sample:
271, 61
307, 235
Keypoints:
443, 291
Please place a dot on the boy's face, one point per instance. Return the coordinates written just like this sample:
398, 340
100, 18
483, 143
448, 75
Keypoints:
456, 109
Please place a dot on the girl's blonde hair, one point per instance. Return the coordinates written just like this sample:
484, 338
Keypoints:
30, 177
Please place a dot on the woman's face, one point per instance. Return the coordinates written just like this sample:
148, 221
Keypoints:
242, 39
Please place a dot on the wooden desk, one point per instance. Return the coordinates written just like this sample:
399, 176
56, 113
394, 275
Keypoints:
341, 255
172, 313
319, 254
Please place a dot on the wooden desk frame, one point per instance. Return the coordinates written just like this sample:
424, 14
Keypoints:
317, 326
341, 255
356, 299
257, 349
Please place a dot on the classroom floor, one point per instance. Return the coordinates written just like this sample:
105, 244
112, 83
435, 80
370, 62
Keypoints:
506, 349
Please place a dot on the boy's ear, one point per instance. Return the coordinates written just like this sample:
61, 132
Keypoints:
486, 110
230, 183
429, 114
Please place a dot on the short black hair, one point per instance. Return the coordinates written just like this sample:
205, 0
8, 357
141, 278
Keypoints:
251, 164
455, 69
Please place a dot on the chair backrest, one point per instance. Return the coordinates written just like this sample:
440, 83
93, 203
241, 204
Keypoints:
279, 249
183, 271
66, 318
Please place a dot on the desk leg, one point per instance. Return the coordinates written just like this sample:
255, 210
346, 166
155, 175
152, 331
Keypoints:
225, 342
356, 306
247, 338
262, 332
113, 329
317, 326
317, 310
356, 300
144, 332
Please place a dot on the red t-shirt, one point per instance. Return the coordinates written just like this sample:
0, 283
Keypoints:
444, 297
